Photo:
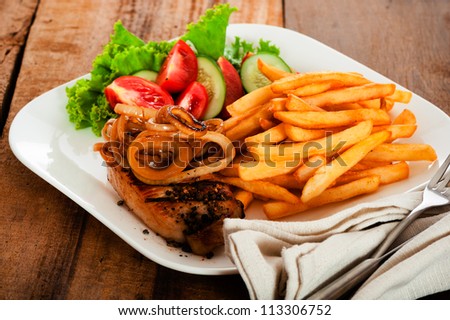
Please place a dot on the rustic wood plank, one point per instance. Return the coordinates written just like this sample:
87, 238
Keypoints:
263, 12
15, 21
407, 41
53, 248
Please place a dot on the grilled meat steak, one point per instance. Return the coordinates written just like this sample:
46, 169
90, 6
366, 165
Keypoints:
186, 213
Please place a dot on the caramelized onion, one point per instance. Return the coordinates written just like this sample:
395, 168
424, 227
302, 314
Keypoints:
152, 149
181, 119
215, 125
135, 111
165, 146
152, 125
228, 155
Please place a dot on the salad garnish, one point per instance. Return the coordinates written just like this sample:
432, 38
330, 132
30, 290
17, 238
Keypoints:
128, 55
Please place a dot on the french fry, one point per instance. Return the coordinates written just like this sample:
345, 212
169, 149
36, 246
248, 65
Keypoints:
321, 120
403, 126
316, 88
402, 152
266, 124
326, 175
365, 164
405, 117
298, 134
272, 73
244, 196
371, 104
231, 171
251, 124
261, 188
388, 173
273, 135
278, 104
279, 209
299, 80
351, 94
294, 103
257, 170
397, 131
386, 104
299, 150
252, 99
236, 120
307, 170
342, 107
400, 96
287, 181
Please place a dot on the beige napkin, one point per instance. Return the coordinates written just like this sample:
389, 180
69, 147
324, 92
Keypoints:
288, 260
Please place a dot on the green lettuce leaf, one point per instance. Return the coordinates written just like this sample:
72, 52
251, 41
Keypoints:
209, 33
237, 50
126, 54
100, 113
81, 99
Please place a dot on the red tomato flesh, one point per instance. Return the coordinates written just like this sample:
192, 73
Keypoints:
137, 91
233, 84
194, 99
179, 69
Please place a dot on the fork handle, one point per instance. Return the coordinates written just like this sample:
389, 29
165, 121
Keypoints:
363, 270
398, 229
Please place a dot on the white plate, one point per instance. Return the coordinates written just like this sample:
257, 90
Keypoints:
46, 142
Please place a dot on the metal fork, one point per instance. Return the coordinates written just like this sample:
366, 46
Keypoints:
435, 194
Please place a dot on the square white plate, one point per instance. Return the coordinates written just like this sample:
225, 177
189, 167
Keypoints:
42, 137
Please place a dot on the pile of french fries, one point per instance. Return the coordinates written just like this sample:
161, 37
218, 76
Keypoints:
310, 139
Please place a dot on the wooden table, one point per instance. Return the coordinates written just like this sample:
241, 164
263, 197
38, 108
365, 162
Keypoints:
50, 247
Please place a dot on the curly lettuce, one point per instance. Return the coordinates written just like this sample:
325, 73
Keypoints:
237, 50
209, 33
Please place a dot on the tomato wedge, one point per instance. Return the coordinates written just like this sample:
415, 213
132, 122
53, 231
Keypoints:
232, 81
136, 91
179, 69
194, 99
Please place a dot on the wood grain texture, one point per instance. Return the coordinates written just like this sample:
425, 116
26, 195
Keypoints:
15, 20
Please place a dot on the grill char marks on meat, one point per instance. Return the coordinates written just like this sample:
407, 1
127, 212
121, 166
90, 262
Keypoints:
189, 213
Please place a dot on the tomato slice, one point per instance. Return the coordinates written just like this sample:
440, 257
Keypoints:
179, 69
233, 83
137, 91
194, 99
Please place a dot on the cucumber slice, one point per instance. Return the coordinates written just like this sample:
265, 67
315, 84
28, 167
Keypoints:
210, 76
252, 78
147, 75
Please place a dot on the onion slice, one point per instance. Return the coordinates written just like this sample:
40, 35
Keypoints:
187, 175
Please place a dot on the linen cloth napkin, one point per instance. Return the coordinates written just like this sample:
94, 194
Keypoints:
289, 260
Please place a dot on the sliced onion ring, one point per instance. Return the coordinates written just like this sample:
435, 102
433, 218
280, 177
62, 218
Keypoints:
181, 119
152, 125
154, 144
135, 111
198, 172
